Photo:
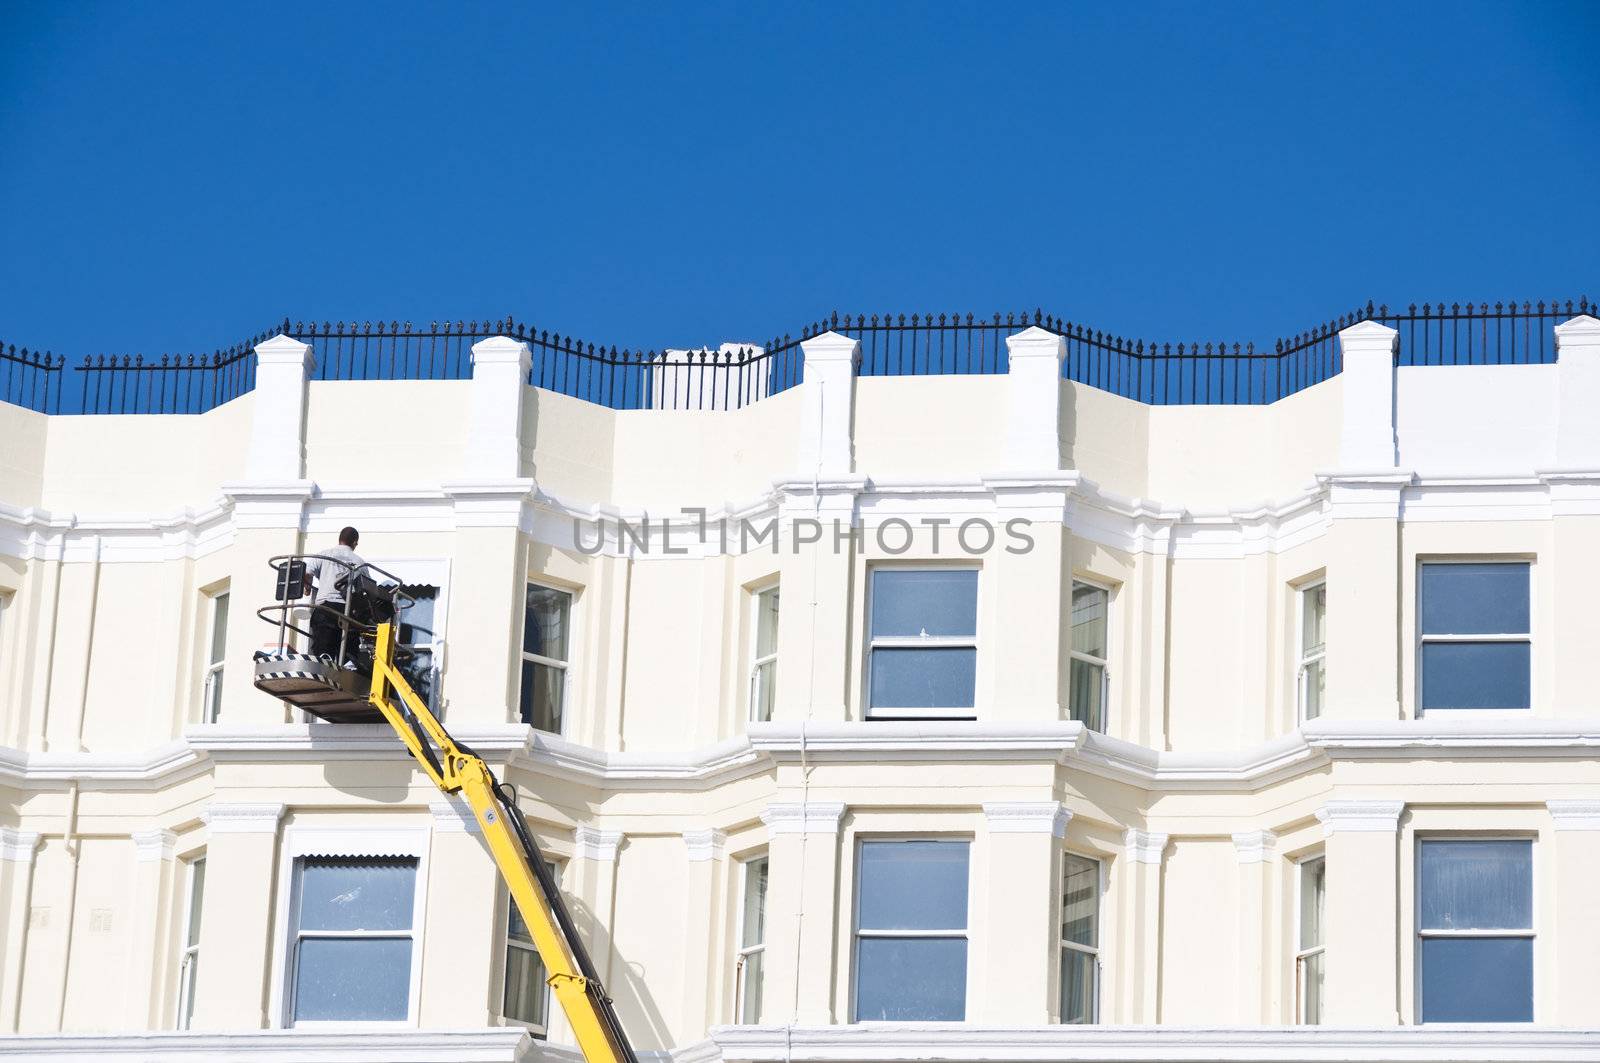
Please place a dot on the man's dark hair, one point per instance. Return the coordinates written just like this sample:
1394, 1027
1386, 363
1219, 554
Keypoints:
348, 536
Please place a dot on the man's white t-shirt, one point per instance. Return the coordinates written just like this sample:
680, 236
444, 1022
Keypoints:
327, 574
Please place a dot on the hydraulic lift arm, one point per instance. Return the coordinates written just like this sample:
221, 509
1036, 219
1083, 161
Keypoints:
455, 769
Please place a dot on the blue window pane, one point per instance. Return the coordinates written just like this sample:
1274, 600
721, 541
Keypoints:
352, 978
919, 885
910, 979
924, 679
932, 602
356, 893
1477, 885
1475, 675
1477, 980
1488, 598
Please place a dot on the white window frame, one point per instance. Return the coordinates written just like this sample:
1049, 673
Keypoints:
1306, 657
1531, 933
431, 572
211, 683
856, 933
1099, 936
922, 642
1104, 663
565, 667
533, 1028
1526, 636
760, 660
1304, 953
189, 955
743, 952
301, 842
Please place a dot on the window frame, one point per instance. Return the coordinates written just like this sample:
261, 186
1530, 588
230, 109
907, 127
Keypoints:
1419, 934
759, 660
965, 934
302, 842
743, 952
565, 667
431, 572
1303, 658
535, 1030
216, 660
1099, 936
919, 642
189, 954
1103, 663
1304, 953
1422, 561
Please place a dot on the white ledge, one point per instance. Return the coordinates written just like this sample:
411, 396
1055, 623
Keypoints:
964, 1043
510, 1044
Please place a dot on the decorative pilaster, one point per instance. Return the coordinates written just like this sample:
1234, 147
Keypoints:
593, 879
17, 851
151, 898
1142, 881
278, 423
236, 918
704, 845
452, 815
1033, 400
1577, 868
827, 405
802, 911
1577, 394
1362, 931
1022, 903
1367, 438
500, 367
1254, 912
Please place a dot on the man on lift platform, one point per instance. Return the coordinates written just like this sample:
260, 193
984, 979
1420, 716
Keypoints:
332, 572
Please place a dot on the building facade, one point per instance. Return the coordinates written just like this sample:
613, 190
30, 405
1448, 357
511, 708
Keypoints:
978, 716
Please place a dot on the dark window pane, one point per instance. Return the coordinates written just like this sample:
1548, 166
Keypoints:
1478, 598
1477, 885
910, 979
919, 885
356, 893
1086, 698
1080, 901
924, 679
544, 628
343, 978
1089, 619
1077, 986
1477, 980
1475, 675
933, 602
540, 699
525, 986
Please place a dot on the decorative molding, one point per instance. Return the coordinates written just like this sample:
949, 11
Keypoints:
452, 815
1254, 847
18, 846
1575, 813
1360, 816
890, 1042
501, 1044
1145, 847
242, 817
152, 846
589, 843
704, 844
1027, 817
798, 817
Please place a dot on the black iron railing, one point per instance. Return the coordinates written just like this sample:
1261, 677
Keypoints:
1213, 372
30, 379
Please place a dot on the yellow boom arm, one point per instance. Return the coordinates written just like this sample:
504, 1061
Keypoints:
456, 769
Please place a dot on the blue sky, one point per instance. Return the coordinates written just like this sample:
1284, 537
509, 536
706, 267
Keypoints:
175, 177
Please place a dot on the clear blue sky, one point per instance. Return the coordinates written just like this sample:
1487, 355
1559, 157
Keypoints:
175, 176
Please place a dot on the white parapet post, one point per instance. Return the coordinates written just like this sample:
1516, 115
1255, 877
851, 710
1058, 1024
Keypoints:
278, 426
828, 390
494, 429
1367, 439
1033, 405
1577, 392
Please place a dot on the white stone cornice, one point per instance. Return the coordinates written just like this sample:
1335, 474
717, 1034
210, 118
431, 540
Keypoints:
1254, 847
18, 846
508, 1044
914, 740
1144, 847
1580, 331
1360, 816
242, 817
286, 350
500, 350
1027, 817
452, 815
704, 844
798, 817
589, 843
151, 846
270, 504
1575, 813
831, 347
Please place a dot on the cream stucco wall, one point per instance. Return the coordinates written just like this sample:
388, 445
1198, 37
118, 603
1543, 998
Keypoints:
1206, 789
